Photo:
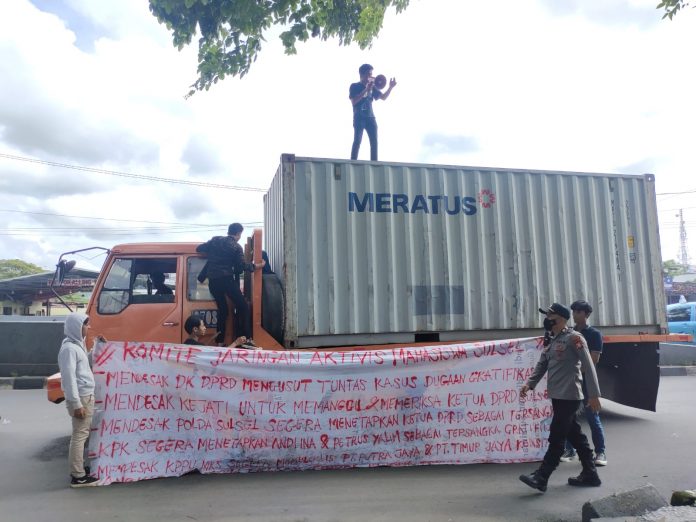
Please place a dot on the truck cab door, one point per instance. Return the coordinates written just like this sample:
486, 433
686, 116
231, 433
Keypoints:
139, 299
197, 298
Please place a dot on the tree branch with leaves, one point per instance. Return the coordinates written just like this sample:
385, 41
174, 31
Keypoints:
672, 7
672, 268
231, 32
10, 268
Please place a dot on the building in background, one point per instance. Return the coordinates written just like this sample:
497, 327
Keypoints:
32, 295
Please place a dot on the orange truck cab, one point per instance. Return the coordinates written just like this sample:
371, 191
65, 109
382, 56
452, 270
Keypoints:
128, 306
146, 291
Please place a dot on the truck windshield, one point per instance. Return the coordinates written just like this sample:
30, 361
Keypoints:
138, 281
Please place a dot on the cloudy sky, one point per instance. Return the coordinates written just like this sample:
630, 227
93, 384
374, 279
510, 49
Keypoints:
97, 142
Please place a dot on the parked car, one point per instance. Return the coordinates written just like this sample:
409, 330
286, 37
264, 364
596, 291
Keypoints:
681, 318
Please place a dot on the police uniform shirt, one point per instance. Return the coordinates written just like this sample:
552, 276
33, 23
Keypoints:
564, 359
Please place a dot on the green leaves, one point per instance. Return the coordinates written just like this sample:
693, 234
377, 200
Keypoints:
672, 7
16, 267
672, 268
231, 31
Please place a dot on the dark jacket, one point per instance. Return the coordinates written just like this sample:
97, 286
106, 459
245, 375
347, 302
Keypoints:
225, 257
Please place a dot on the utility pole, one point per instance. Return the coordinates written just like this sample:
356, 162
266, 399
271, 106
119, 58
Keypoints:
683, 250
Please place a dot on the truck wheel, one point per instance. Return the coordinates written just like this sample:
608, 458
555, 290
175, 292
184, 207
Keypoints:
272, 306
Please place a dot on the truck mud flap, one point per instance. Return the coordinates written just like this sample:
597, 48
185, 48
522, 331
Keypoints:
629, 373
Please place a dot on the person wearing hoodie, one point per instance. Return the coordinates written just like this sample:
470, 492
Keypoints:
77, 382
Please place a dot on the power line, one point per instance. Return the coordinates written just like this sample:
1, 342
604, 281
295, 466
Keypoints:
676, 193
111, 232
129, 175
176, 228
183, 181
106, 229
174, 225
674, 209
134, 229
109, 219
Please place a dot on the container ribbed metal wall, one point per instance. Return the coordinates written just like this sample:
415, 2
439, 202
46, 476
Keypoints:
375, 252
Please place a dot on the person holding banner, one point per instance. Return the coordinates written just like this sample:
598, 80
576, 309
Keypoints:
195, 327
77, 381
565, 357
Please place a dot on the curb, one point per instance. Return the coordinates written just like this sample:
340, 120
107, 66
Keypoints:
677, 371
23, 383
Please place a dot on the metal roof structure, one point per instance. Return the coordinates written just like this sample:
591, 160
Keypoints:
35, 287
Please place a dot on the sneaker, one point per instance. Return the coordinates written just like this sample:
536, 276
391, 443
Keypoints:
568, 455
535, 481
590, 479
84, 482
600, 459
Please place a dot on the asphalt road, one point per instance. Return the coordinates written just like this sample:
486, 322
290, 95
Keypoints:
643, 447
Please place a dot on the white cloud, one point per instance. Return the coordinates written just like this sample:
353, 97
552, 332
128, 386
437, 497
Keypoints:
597, 85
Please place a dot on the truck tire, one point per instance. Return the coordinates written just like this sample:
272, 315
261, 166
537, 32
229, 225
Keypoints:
272, 306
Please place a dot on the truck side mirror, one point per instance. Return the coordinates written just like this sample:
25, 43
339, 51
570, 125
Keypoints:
62, 269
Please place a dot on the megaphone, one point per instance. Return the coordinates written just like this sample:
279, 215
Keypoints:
380, 81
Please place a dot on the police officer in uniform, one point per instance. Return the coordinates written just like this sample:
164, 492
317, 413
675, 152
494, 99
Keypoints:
565, 359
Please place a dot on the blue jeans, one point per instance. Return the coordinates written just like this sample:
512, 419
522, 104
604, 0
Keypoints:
596, 428
360, 124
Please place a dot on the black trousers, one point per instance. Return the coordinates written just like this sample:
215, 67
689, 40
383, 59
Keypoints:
565, 425
369, 124
228, 287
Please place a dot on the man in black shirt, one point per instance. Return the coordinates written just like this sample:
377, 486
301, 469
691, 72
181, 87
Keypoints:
581, 312
158, 284
361, 95
225, 263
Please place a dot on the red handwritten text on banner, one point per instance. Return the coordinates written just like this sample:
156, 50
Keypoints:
164, 410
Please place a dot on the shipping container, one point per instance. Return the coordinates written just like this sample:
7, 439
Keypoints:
370, 254
376, 253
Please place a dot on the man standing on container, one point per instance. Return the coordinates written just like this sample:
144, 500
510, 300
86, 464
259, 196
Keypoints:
564, 359
77, 381
361, 95
581, 312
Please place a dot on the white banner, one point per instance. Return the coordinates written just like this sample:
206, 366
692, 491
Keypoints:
164, 410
